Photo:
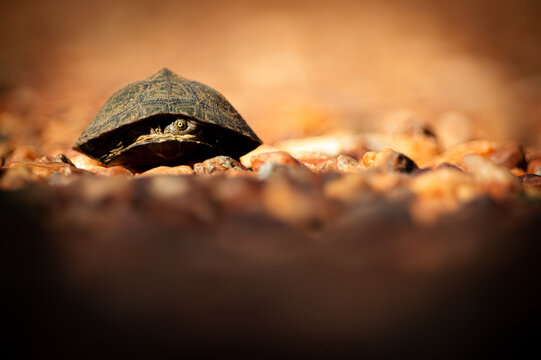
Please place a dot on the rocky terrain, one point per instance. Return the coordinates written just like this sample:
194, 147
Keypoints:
317, 245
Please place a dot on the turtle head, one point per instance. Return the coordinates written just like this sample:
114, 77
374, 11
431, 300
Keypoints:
164, 140
181, 127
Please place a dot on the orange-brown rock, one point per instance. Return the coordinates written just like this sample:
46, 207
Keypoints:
517, 171
455, 154
43, 169
534, 166
84, 162
168, 170
20, 173
180, 198
111, 171
246, 160
217, 165
293, 194
5, 151
327, 145
347, 188
320, 166
497, 180
440, 192
238, 193
23, 153
531, 184
531, 180
64, 159
374, 158
279, 157
341, 163
389, 160
510, 155
17, 177
347, 164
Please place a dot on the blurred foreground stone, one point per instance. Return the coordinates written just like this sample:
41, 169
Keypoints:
218, 165
321, 255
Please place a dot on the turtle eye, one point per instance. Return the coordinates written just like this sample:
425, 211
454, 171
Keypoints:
181, 124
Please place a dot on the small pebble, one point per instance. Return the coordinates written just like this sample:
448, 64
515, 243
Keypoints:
510, 155
497, 180
321, 166
440, 192
44, 169
534, 166
17, 177
530, 180
446, 165
217, 165
167, 170
246, 160
21, 154
328, 145
347, 164
292, 194
279, 157
389, 160
455, 154
64, 159
84, 162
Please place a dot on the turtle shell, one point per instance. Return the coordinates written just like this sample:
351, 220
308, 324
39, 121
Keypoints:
166, 94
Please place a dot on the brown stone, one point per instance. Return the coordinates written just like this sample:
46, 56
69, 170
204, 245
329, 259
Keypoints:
101, 190
217, 165
357, 152
497, 180
347, 188
342, 163
440, 192
246, 160
445, 165
112, 171
167, 170
292, 194
23, 172
84, 162
417, 128
534, 166
518, 172
5, 151
347, 164
16, 177
43, 169
531, 180
389, 160
327, 145
64, 159
455, 154
401, 163
22, 154
510, 155
279, 157
177, 198
321, 166
240, 193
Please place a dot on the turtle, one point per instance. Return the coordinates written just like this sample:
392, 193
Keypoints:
165, 119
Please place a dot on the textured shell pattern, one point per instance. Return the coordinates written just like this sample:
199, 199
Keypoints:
165, 93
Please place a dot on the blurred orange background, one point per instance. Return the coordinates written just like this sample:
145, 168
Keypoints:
291, 68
